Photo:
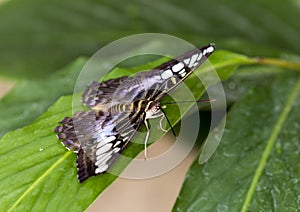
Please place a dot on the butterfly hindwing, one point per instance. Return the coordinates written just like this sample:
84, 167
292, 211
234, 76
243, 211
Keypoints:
101, 92
85, 166
98, 138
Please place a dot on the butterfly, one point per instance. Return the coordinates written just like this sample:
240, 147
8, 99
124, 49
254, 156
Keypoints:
118, 109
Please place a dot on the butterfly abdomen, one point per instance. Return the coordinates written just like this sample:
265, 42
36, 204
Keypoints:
135, 106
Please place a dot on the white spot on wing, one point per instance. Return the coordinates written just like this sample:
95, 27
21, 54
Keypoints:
166, 74
117, 143
103, 159
177, 67
210, 49
181, 72
105, 141
116, 150
199, 57
104, 149
193, 59
187, 61
101, 169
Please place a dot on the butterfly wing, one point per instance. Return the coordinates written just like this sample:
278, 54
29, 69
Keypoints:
104, 95
98, 138
101, 93
175, 71
152, 84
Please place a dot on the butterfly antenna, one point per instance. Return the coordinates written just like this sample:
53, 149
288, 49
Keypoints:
190, 101
168, 103
173, 131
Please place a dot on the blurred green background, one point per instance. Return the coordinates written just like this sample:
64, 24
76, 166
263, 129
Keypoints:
39, 37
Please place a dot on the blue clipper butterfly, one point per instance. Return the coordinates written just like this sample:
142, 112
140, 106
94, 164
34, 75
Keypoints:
118, 108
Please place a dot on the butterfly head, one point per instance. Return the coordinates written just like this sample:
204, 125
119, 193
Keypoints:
152, 109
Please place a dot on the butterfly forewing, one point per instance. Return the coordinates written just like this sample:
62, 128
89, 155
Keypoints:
175, 71
149, 84
118, 108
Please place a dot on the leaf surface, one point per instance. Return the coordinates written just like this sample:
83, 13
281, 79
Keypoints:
38, 173
256, 166
30, 98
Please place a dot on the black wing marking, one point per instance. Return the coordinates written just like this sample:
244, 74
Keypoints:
98, 137
175, 71
85, 166
101, 92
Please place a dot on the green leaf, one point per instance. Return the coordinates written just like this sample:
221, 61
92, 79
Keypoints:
247, 78
256, 166
37, 173
30, 98
39, 37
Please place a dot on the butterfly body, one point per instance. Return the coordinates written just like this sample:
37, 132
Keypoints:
118, 108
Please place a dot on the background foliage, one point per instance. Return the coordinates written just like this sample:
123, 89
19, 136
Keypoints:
40, 42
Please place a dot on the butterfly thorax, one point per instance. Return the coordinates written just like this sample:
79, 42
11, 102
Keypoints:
147, 106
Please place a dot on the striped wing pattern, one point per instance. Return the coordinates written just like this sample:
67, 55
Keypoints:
101, 93
99, 135
98, 138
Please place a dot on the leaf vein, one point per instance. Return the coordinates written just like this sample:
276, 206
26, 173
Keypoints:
270, 143
38, 180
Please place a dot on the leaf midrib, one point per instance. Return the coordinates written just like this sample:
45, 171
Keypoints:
38, 180
270, 143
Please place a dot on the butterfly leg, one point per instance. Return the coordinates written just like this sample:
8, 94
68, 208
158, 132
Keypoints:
163, 114
161, 122
146, 139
